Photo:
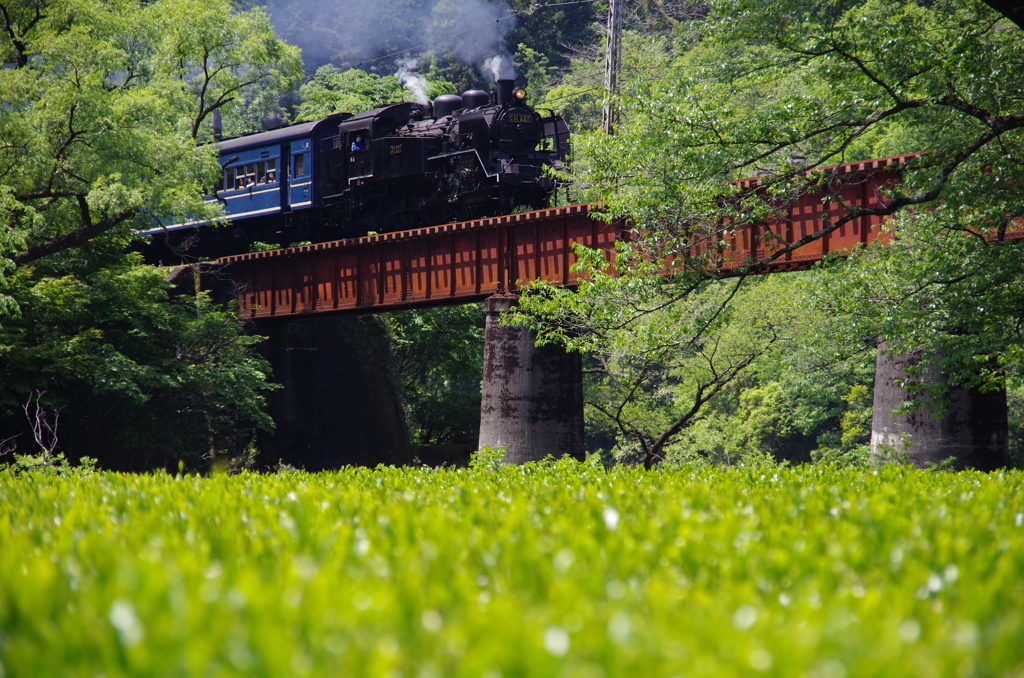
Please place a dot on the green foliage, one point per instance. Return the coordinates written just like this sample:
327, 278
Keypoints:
104, 103
856, 422
661, 356
56, 464
487, 460
854, 447
122, 360
781, 90
536, 69
542, 570
768, 82
939, 288
220, 59
438, 356
789, 401
554, 31
579, 94
332, 91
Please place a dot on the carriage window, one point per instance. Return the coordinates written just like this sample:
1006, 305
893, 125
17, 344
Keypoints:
247, 176
300, 166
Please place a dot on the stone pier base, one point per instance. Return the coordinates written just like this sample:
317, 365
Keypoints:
532, 397
964, 425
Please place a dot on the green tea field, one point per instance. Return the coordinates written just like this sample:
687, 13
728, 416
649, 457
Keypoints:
556, 569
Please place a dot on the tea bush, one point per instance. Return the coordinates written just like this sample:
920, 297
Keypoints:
554, 569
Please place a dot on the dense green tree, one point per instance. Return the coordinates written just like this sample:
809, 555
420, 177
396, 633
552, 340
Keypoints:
579, 94
332, 91
554, 29
104, 103
656, 360
439, 359
829, 83
810, 399
787, 88
139, 378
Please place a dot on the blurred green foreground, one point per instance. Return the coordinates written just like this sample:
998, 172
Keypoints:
554, 569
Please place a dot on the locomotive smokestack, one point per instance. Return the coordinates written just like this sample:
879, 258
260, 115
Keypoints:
505, 88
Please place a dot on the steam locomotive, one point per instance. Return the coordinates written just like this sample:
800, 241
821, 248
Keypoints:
400, 166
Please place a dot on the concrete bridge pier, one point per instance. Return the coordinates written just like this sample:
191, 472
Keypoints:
338, 405
965, 425
532, 397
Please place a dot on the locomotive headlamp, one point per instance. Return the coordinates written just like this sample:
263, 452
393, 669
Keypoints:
519, 94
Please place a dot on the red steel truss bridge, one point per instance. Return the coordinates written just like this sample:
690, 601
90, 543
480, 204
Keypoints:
470, 261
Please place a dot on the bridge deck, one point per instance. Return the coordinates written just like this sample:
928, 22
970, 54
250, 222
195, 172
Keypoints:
432, 266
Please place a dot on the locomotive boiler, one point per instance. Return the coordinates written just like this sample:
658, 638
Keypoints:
400, 166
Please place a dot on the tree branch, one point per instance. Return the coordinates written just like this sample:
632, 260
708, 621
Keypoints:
17, 38
87, 232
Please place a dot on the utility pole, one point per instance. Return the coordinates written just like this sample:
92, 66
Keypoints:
611, 66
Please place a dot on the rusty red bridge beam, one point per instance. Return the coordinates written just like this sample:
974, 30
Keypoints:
452, 263
470, 261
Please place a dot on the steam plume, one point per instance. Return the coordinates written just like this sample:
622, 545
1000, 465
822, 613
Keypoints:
499, 67
412, 81
351, 32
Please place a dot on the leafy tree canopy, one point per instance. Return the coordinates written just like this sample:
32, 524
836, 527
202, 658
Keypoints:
137, 378
783, 90
332, 91
827, 84
103, 105
104, 102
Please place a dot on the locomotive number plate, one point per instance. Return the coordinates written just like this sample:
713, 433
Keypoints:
396, 149
520, 117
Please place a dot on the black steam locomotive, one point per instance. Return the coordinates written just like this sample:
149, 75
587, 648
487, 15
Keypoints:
392, 168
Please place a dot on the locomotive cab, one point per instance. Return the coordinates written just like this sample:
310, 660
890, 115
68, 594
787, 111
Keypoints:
369, 139
357, 141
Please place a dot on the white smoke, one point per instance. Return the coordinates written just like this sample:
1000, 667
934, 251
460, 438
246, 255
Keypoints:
412, 81
357, 32
498, 67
